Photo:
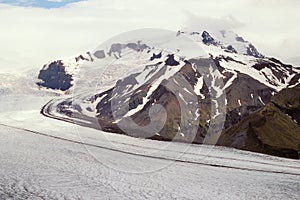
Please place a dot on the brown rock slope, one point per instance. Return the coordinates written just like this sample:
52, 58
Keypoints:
274, 129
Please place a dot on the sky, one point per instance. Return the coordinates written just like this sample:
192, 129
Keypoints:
34, 32
48, 4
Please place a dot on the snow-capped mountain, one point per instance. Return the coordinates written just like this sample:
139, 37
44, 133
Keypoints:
188, 87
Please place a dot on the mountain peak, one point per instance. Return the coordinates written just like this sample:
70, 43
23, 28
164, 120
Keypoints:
227, 40
229, 37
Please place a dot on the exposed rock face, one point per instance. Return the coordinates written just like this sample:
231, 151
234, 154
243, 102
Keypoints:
252, 51
230, 49
156, 56
207, 38
171, 61
244, 95
99, 54
274, 129
163, 93
81, 57
116, 48
54, 76
276, 68
240, 39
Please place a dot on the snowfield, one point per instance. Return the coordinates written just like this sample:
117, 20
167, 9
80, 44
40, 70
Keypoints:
43, 158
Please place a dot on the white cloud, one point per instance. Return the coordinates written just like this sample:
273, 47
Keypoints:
32, 36
195, 22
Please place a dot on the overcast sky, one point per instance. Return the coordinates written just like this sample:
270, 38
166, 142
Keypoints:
33, 33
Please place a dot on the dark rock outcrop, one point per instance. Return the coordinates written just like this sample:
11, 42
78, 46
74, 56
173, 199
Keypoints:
99, 54
81, 57
54, 76
230, 49
156, 56
206, 38
171, 61
252, 51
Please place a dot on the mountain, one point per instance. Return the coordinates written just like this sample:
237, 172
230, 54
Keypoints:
205, 91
